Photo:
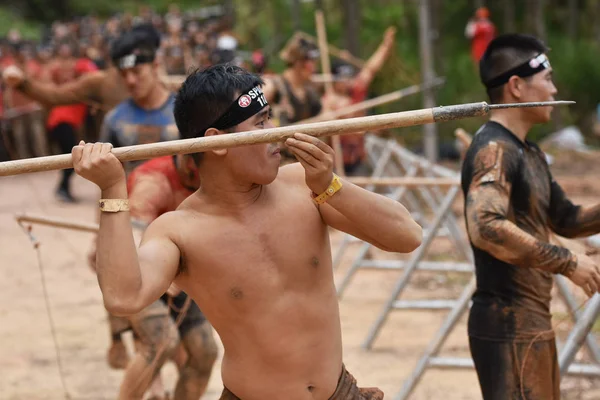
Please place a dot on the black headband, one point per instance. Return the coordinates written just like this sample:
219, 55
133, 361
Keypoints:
247, 104
528, 68
133, 59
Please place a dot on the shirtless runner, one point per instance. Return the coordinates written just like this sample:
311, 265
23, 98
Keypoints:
266, 286
351, 87
512, 204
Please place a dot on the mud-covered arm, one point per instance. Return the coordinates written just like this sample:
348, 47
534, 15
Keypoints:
495, 169
80, 90
570, 220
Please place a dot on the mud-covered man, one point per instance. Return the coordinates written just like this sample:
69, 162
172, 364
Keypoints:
512, 203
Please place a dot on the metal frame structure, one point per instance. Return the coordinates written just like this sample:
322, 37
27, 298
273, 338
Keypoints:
431, 359
580, 333
390, 159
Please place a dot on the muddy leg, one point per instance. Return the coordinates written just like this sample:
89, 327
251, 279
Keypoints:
202, 353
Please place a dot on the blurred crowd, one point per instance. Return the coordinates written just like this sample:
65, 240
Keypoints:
66, 82
196, 38
69, 49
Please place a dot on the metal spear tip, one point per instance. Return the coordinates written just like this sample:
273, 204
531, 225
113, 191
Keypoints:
533, 104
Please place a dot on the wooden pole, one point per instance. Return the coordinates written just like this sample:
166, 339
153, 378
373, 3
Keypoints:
430, 132
324, 52
58, 222
402, 181
272, 135
463, 137
326, 69
371, 103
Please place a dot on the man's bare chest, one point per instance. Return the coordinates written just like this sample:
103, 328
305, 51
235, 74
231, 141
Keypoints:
279, 252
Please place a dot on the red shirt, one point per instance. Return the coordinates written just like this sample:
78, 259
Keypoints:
72, 114
155, 188
353, 145
484, 33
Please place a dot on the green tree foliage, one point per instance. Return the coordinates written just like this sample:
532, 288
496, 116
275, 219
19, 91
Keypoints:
575, 53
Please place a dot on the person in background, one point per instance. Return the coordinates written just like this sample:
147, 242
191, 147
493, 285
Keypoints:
64, 122
480, 30
351, 86
28, 124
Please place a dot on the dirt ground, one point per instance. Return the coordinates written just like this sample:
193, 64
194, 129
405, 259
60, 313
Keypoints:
28, 366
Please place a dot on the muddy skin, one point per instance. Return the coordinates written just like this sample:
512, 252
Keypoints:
512, 204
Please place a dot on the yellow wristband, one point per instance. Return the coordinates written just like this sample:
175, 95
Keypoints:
334, 187
114, 205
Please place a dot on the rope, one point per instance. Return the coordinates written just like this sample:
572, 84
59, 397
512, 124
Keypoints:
183, 309
36, 246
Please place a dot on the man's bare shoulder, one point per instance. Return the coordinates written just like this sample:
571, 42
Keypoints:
165, 225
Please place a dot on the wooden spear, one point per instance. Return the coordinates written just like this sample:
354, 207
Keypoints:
272, 135
57, 222
326, 67
374, 102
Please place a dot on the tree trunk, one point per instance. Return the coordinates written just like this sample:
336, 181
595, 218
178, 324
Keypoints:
573, 19
590, 20
229, 12
436, 17
596, 20
351, 14
404, 21
509, 16
254, 39
274, 44
429, 130
537, 23
296, 14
